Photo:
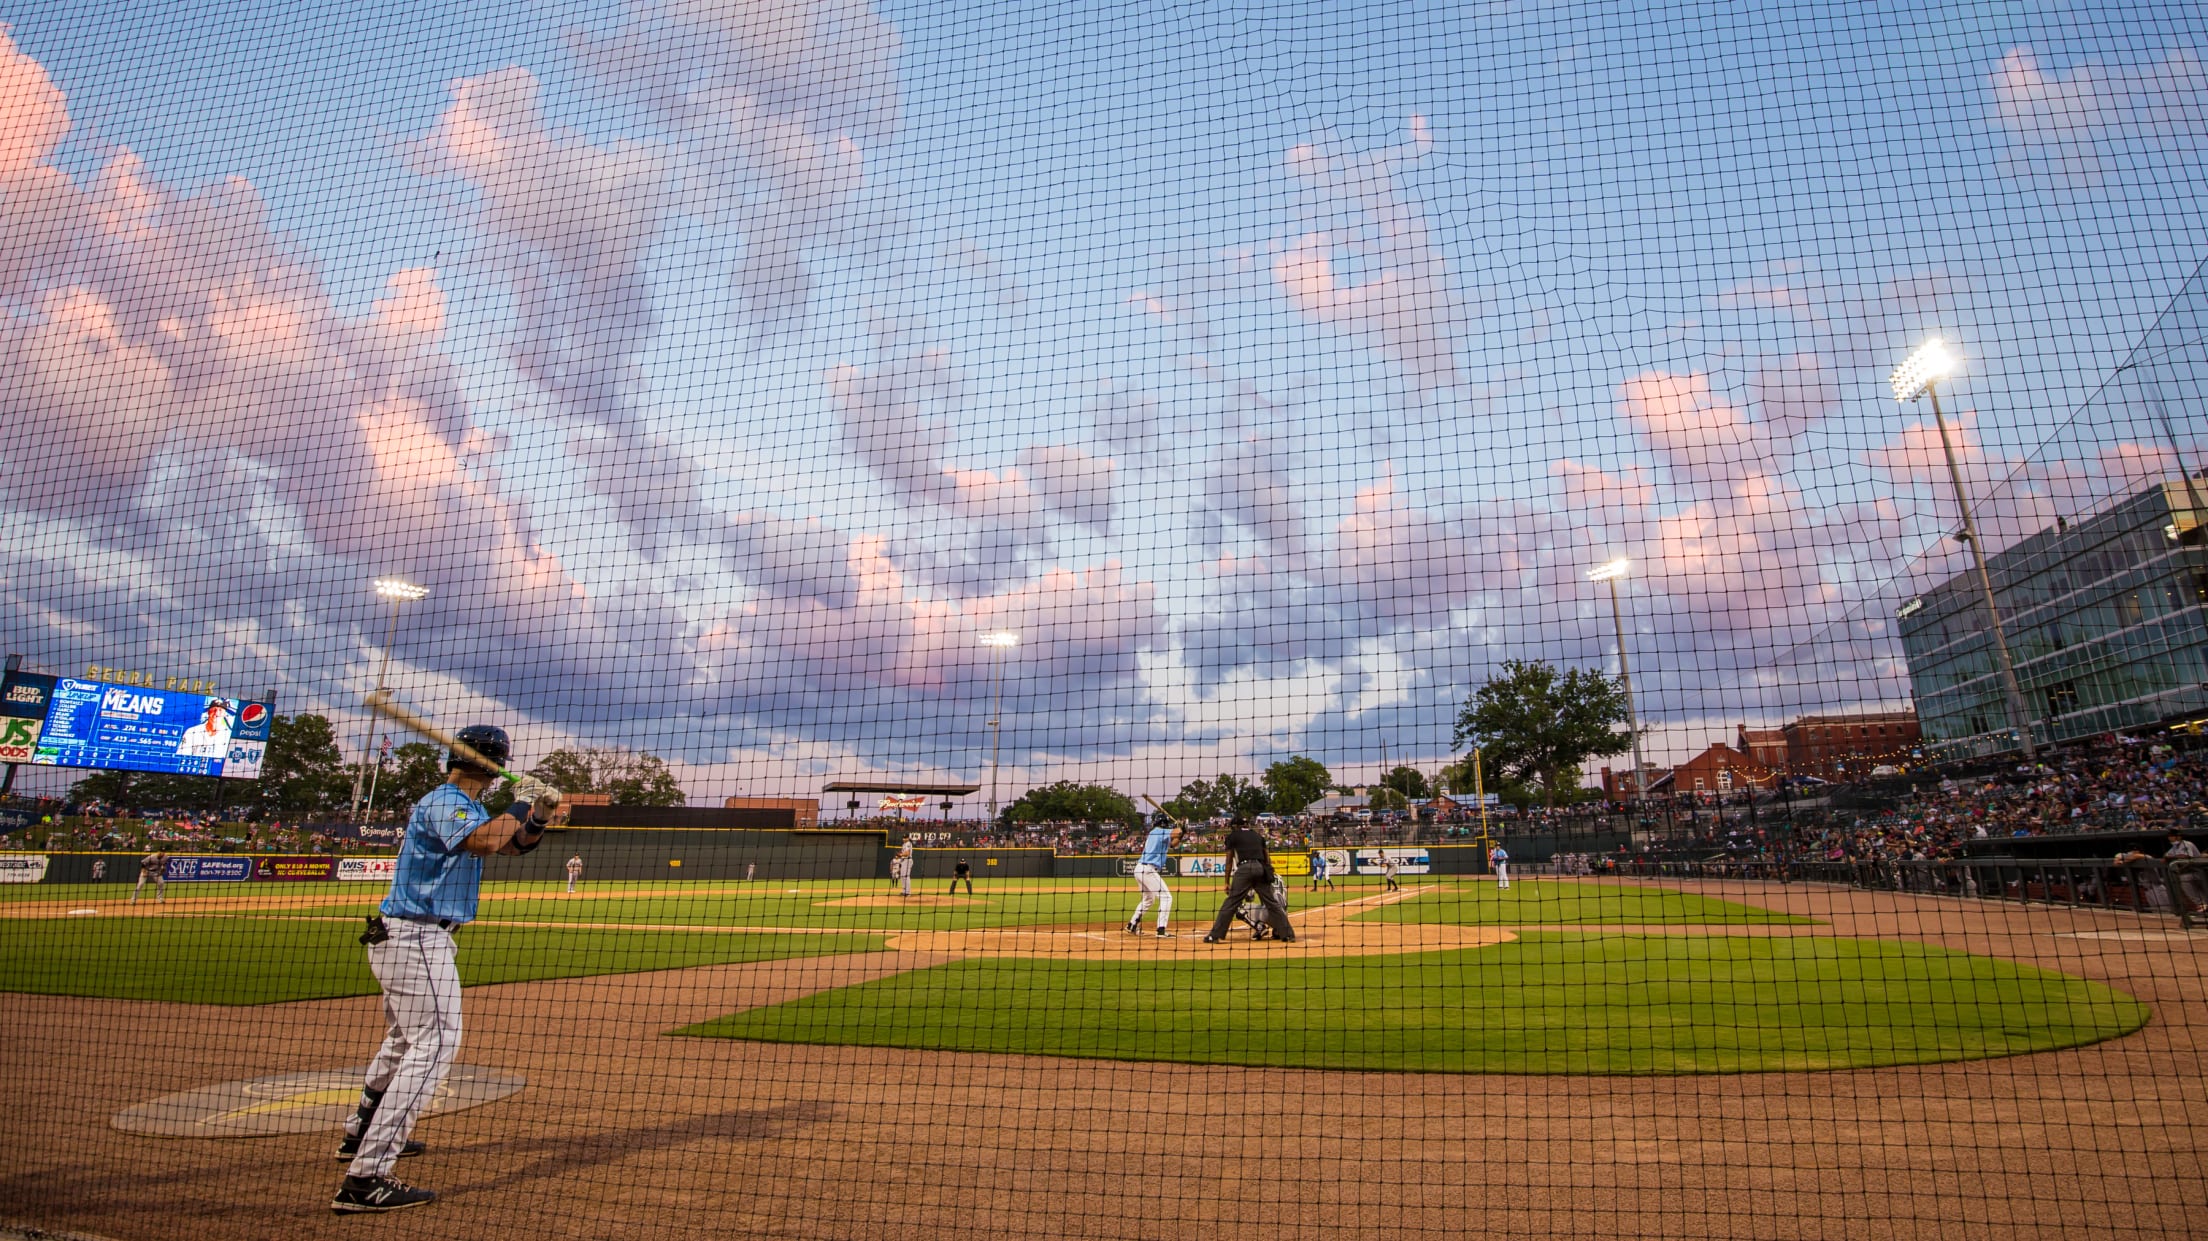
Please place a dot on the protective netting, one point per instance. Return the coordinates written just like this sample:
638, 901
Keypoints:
1663, 548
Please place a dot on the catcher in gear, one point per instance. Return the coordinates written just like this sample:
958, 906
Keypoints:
1252, 910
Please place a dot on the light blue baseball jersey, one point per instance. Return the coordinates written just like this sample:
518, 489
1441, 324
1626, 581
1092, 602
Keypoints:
436, 876
1499, 854
1154, 846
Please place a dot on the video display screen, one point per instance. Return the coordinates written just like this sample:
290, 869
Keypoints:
132, 728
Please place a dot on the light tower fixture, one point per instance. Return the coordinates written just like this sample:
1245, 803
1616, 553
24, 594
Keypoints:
1610, 573
1919, 375
1000, 641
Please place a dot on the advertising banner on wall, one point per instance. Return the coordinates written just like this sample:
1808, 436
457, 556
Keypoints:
366, 833
248, 741
1337, 861
1213, 866
1407, 861
209, 869
24, 698
22, 867
364, 869
295, 868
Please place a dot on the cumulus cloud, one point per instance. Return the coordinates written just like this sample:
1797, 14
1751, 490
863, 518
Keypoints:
777, 104
1401, 297
2074, 126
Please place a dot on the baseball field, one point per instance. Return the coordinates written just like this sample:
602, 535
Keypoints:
724, 1059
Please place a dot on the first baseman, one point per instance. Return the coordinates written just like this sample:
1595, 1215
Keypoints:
410, 951
1389, 865
1320, 872
900, 870
1501, 858
574, 872
1150, 875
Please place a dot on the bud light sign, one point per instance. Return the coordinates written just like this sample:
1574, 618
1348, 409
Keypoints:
24, 697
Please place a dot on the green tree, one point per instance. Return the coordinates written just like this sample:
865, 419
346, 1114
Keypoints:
1408, 781
411, 772
1536, 728
1294, 783
625, 776
1067, 800
1227, 795
302, 774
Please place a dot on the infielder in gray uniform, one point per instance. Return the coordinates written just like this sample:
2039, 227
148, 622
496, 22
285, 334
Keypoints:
410, 951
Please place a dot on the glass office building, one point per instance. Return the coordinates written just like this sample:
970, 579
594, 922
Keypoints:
2107, 621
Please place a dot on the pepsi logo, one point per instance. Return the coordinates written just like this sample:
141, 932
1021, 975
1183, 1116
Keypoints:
252, 713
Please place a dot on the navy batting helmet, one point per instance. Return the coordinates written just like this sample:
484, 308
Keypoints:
486, 740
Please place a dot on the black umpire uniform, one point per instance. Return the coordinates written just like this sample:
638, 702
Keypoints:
1252, 868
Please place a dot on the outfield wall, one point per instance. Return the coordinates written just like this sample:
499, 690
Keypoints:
720, 854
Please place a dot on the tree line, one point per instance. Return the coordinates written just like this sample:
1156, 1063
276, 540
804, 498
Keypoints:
1534, 727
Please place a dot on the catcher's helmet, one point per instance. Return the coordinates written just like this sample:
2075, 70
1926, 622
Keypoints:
486, 740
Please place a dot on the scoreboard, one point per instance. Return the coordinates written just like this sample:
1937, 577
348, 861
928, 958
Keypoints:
135, 728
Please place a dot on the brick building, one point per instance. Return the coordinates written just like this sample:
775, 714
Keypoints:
1766, 746
1834, 747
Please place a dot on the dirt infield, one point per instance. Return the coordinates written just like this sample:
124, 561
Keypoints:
624, 1131
1323, 932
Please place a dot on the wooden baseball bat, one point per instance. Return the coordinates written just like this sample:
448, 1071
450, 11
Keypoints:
380, 703
1162, 810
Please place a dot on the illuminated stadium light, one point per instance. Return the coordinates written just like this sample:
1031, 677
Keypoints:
396, 590
1000, 638
1930, 364
1919, 375
1615, 569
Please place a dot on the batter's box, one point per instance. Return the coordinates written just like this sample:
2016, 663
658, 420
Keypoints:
264, 1107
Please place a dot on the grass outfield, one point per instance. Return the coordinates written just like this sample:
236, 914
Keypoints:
1548, 1003
259, 960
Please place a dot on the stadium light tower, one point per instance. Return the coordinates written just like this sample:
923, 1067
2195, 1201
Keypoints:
1919, 375
1610, 573
1001, 641
395, 590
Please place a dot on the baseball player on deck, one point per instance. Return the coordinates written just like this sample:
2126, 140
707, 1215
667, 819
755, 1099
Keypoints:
1150, 875
410, 951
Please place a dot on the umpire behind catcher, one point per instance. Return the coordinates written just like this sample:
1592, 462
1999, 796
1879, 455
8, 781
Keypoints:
1251, 868
410, 951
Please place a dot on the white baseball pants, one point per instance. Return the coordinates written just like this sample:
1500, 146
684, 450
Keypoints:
421, 1004
1502, 874
1153, 890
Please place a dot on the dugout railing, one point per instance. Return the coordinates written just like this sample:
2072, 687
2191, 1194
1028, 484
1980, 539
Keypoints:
2177, 887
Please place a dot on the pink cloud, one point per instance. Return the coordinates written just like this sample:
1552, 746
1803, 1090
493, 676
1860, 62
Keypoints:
1406, 304
2071, 125
412, 303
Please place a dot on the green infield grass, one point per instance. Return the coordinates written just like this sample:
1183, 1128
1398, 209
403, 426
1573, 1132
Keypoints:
1547, 1003
267, 960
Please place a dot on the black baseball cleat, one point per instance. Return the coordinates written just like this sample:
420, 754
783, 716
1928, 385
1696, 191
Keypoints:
1134, 928
351, 1147
364, 1194
1164, 934
1211, 939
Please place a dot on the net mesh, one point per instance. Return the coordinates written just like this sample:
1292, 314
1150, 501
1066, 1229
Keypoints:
1103, 620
